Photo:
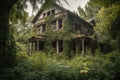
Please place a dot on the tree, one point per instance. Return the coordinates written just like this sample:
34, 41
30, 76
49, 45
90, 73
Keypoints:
5, 41
107, 23
90, 10
7, 52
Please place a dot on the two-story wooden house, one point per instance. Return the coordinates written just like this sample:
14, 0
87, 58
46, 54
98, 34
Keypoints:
59, 30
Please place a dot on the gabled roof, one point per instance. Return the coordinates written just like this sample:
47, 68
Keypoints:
60, 7
42, 9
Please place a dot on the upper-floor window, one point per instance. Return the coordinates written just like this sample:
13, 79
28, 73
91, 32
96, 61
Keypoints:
38, 30
53, 11
41, 29
60, 24
48, 13
78, 27
44, 14
54, 27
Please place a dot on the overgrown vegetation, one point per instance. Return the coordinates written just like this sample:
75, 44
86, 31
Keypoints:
40, 66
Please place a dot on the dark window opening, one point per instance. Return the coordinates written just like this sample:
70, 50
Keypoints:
48, 13
78, 27
43, 29
44, 14
60, 46
54, 46
54, 25
53, 11
60, 23
38, 29
74, 46
88, 32
41, 45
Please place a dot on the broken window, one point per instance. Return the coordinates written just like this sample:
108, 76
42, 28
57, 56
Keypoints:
60, 24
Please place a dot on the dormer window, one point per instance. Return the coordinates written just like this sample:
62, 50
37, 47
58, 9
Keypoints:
44, 14
48, 13
53, 11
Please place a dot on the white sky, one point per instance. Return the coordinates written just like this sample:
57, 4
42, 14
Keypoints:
73, 5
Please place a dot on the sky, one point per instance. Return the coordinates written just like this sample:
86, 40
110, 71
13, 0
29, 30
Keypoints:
73, 4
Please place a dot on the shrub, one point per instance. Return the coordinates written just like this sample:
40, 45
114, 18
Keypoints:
40, 66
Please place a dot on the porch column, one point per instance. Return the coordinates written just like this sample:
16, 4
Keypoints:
30, 48
57, 46
57, 27
34, 48
76, 45
37, 45
83, 46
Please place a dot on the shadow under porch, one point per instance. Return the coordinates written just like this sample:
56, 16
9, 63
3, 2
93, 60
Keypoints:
35, 44
84, 45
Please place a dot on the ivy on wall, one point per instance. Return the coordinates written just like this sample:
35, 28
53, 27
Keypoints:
66, 33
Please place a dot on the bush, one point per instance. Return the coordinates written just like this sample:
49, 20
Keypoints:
40, 66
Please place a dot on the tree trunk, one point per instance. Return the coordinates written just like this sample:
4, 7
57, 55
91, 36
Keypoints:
7, 56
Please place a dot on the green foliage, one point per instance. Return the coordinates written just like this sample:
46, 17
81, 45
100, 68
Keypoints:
90, 10
65, 34
107, 25
67, 49
106, 3
40, 66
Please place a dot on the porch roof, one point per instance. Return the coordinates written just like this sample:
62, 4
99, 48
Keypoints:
33, 38
82, 37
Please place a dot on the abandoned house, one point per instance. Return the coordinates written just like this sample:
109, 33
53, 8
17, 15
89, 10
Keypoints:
58, 30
